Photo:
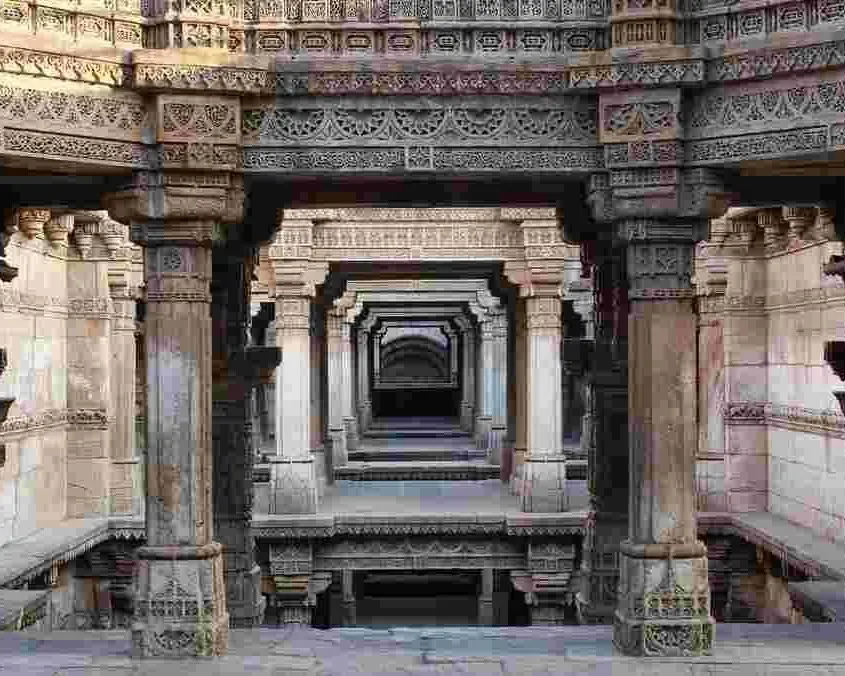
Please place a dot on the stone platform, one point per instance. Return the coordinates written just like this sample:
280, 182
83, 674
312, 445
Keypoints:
770, 650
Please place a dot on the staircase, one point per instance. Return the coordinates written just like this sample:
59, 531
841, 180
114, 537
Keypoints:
409, 449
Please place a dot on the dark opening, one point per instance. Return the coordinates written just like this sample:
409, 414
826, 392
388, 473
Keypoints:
416, 403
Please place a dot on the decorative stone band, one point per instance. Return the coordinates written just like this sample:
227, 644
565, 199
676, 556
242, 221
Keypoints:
289, 527
684, 550
602, 74
827, 422
177, 552
659, 270
95, 418
771, 302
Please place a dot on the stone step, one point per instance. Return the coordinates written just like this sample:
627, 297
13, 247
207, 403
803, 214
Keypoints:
416, 454
414, 495
415, 433
417, 471
422, 421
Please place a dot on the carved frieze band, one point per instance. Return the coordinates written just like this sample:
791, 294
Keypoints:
791, 299
87, 418
796, 418
415, 554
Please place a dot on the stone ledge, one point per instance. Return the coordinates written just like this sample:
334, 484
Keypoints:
810, 553
20, 609
819, 600
23, 559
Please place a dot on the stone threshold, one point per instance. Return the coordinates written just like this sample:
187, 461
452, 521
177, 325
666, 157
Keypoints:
815, 556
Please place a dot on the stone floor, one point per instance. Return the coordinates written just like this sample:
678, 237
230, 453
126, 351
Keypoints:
434, 497
770, 650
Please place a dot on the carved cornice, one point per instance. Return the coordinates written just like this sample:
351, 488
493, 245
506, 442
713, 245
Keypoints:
40, 420
78, 418
275, 527
137, 68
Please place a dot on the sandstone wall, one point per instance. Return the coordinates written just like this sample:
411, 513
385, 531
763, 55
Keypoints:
67, 323
771, 435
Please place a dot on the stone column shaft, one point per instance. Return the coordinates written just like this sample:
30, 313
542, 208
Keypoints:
500, 387
545, 465
520, 371
349, 618
468, 379
126, 486
664, 602
234, 379
605, 442
365, 410
338, 396
349, 385
180, 606
485, 598
294, 483
491, 416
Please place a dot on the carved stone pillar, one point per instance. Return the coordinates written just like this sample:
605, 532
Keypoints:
236, 370
544, 471
485, 598
467, 373
377, 337
270, 405
491, 416
483, 408
350, 419
318, 450
295, 581
365, 405
292, 471
180, 601
126, 488
347, 585
337, 335
499, 378
606, 447
664, 597
520, 448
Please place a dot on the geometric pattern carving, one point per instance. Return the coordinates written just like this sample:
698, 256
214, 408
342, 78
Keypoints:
531, 122
411, 553
406, 136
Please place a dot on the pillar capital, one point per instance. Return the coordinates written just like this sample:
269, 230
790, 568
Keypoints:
293, 312
168, 208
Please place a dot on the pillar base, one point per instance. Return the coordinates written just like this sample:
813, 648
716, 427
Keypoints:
663, 638
180, 607
365, 417
598, 593
466, 418
337, 442
664, 601
495, 444
544, 484
352, 436
483, 426
293, 486
245, 601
